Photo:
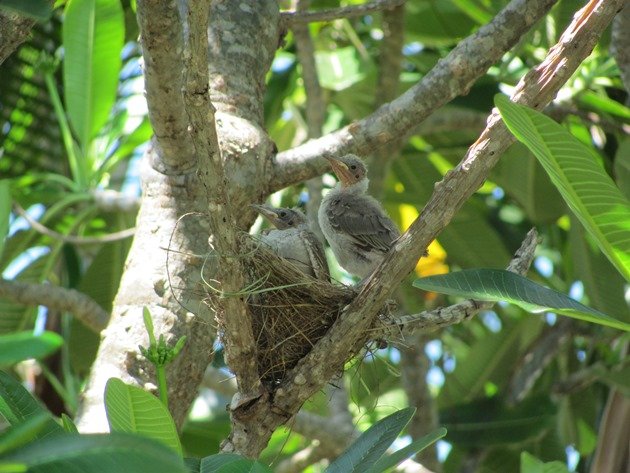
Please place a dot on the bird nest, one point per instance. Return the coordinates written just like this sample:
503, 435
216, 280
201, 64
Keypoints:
289, 310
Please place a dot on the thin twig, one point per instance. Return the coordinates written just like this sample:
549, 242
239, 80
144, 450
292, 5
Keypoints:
291, 18
405, 325
61, 299
77, 240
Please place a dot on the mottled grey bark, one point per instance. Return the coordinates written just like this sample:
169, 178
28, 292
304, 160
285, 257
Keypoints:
14, 30
172, 189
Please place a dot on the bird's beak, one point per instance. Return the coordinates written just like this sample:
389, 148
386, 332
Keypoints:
266, 211
341, 170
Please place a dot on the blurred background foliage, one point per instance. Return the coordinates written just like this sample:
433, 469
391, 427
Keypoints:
73, 127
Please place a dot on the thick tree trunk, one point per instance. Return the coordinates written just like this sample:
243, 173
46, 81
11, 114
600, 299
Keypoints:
243, 39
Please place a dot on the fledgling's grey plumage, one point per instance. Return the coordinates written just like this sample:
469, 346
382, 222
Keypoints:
294, 241
355, 224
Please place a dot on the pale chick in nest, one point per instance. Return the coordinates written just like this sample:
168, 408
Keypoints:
294, 241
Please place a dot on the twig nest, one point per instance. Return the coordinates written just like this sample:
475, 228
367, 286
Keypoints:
290, 311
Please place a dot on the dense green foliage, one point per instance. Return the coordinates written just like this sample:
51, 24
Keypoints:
73, 126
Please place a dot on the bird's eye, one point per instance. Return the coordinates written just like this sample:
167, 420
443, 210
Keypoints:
353, 167
282, 214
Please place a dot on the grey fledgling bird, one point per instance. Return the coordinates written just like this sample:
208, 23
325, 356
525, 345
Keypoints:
294, 241
355, 224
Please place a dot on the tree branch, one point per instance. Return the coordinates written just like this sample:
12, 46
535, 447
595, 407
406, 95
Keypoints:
540, 353
14, 30
452, 76
162, 38
77, 240
294, 18
82, 307
350, 332
428, 321
232, 314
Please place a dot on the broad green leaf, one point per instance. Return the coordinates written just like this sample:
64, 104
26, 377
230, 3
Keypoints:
603, 104
577, 420
603, 284
531, 464
522, 177
502, 285
442, 23
100, 281
23, 433
413, 448
340, 68
132, 409
68, 424
488, 422
489, 359
621, 167
474, 10
17, 406
39, 10
371, 445
16, 347
5, 211
575, 170
17, 317
93, 34
226, 463
98, 453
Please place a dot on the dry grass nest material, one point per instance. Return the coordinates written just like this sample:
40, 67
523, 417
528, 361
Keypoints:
290, 311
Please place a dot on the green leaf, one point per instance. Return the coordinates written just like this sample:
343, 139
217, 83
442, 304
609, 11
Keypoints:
603, 284
371, 445
93, 34
604, 104
68, 424
531, 464
97, 453
489, 359
488, 422
575, 171
39, 10
131, 409
23, 433
401, 455
5, 211
16, 347
340, 68
521, 176
502, 285
226, 463
17, 406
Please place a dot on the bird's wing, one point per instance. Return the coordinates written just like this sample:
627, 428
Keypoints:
364, 221
316, 255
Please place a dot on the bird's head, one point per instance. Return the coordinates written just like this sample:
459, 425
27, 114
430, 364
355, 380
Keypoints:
281, 218
349, 169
